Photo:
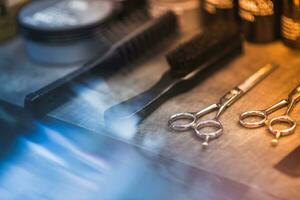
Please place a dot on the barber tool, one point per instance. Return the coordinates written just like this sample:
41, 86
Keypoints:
187, 62
70, 31
178, 122
290, 23
262, 115
260, 19
219, 10
130, 44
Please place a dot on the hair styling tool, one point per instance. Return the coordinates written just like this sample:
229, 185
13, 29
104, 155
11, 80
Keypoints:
133, 42
274, 123
216, 44
193, 120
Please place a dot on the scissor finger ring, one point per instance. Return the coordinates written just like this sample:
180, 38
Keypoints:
180, 117
281, 132
281, 120
250, 114
208, 135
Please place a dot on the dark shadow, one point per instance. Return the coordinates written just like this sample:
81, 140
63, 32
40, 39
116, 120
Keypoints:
290, 164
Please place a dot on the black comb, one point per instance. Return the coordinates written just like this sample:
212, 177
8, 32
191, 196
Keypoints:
207, 50
133, 45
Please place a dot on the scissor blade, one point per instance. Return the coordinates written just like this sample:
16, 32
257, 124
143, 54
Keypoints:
258, 76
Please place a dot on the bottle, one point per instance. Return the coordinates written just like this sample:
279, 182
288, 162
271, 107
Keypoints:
260, 19
8, 13
2, 8
213, 10
290, 23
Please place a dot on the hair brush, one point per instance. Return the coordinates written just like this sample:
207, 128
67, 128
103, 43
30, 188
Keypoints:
128, 44
204, 51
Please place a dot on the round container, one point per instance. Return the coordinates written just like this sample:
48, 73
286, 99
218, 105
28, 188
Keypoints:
65, 31
260, 19
290, 23
219, 10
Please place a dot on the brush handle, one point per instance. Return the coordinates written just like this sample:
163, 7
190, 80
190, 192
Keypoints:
143, 104
137, 108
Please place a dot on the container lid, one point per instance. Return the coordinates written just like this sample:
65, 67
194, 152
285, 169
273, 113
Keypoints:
63, 20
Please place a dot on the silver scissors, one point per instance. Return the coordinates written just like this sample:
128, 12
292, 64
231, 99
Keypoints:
261, 117
190, 120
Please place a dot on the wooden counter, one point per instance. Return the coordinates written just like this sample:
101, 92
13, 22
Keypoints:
241, 155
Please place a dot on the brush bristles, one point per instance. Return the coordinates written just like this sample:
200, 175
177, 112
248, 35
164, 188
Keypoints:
139, 42
201, 47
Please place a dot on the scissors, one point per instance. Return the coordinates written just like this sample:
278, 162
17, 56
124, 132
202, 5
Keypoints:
262, 117
190, 120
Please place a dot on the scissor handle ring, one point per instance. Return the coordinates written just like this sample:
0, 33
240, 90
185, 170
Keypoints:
255, 113
282, 119
182, 116
209, 123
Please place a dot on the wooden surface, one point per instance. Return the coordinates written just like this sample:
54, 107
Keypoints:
240, 154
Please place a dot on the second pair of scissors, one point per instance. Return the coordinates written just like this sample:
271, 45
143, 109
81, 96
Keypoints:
247, 119
178, 121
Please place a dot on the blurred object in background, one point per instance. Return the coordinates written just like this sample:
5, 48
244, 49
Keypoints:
189, 19
8, 12
130, 5
64, 32
2, 8
290, 23
219, 10
178, 6
75, 31
260, 19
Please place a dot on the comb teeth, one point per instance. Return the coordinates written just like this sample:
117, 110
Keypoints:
139, 42
122, 52
201, 47
114, 32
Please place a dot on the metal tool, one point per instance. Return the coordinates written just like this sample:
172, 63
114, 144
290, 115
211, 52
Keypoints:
178, 121
262, 115
190, 63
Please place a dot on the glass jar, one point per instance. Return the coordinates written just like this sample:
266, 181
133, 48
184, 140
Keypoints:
213, 10
260, 19
290, 23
